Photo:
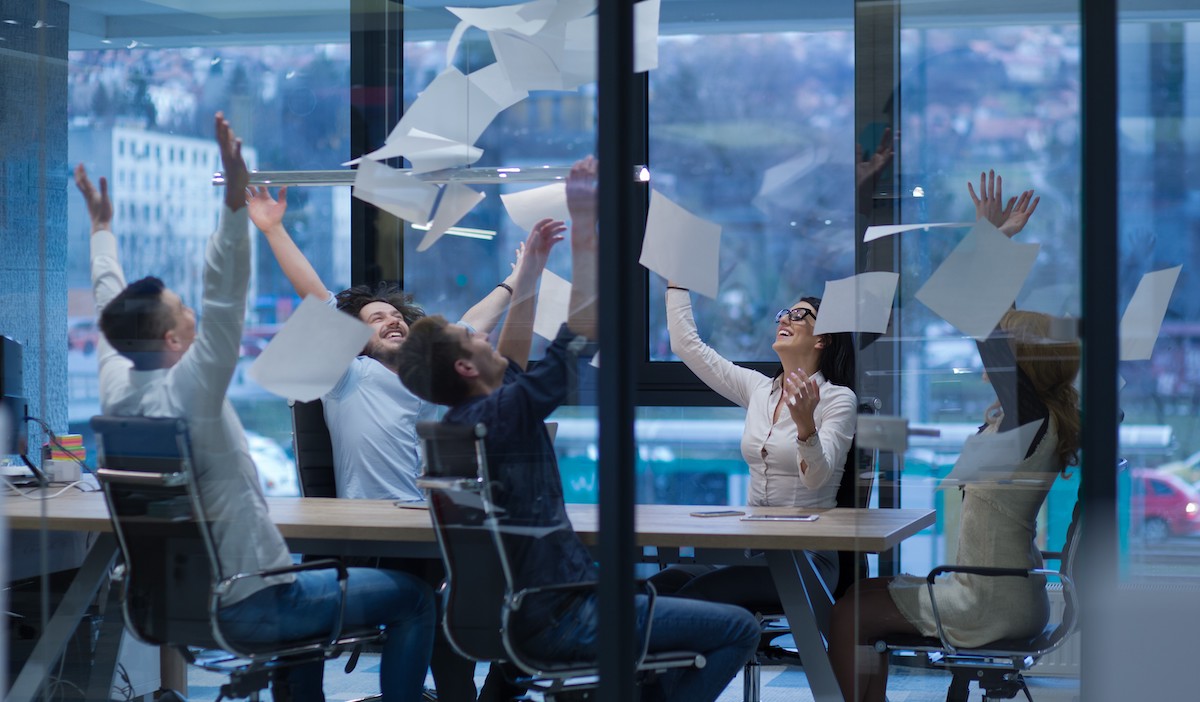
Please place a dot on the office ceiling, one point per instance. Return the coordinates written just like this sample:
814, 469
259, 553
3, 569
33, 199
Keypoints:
100, 24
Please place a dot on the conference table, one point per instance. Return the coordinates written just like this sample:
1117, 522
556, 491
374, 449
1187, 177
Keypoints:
380, 528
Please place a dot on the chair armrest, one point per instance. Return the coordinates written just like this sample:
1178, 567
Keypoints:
651, 596
222, 588
977, 570
138, 477
985, 571
467, 484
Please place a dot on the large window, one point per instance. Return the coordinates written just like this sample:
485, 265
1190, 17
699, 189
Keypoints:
142, 117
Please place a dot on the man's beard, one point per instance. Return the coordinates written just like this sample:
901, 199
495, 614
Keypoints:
385, 355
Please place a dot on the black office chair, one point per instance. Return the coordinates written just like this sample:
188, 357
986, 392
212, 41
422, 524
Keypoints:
858, 479
173, 582
479, 594
313, 448
999, 666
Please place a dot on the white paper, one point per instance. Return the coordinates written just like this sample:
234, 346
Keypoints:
526, 18
595, 362
494, 83
878, 232
528, 207
452, 107
1144, 316
645, 36
531, 62
979, 280
553, 305
457, 201
454, 40
311, 352
681, 247
395, 191
860, 303
993, 456
579, 53
444, 157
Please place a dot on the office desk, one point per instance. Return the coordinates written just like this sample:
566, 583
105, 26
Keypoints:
376, 527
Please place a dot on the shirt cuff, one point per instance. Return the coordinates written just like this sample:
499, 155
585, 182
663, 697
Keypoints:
104, 243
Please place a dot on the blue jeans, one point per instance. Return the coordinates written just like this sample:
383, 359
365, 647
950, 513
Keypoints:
307, 607
726, 635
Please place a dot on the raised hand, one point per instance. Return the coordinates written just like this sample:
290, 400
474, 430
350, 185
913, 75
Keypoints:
801, 395
99, 206
1020, 214
265, 211
237, 176
536, 249
989, 203
1010, 217
581, 190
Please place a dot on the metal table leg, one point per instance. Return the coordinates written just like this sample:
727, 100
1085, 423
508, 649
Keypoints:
53, 641
808, 606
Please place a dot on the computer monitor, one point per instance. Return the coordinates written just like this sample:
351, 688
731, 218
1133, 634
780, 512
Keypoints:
12, 396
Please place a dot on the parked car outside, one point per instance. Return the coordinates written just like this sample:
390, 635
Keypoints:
83, 335
1169, 506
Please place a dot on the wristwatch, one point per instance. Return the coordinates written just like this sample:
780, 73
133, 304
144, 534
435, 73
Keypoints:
810, 442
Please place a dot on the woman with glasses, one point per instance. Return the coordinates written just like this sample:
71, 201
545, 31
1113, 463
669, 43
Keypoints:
799, 425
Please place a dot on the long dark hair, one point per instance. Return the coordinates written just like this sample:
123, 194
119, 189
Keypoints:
837, 358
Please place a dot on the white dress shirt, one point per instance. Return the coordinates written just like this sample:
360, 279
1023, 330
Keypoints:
782, 472
194, 389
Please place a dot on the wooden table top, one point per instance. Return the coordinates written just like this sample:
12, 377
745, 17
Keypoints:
869, 530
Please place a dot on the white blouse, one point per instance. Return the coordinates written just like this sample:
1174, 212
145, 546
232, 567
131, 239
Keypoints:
782, 472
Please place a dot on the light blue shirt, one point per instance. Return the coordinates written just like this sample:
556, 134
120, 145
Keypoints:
372, 420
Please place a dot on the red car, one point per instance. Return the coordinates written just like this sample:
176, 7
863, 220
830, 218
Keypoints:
1164, 505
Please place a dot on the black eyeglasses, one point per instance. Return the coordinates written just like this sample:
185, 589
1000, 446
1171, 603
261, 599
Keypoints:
796, 314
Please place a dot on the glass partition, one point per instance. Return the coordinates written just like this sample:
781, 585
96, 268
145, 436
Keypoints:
800, 132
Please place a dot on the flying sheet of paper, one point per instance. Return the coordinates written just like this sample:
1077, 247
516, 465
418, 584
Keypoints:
444, 157
1144, 316
878, 232
993, 456
681, 247
457, 200
645, 35
553, 305
531, 62
979, 280
526, 18
860, 303
310, 353
528, 207
395, 191
453, 107
579, 53
493, 82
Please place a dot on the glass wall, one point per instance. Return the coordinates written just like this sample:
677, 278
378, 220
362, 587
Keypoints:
793, 128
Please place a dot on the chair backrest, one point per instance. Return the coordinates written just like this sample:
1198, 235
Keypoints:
313, 448
858, 479
1066, 567
454, 474
146, 473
